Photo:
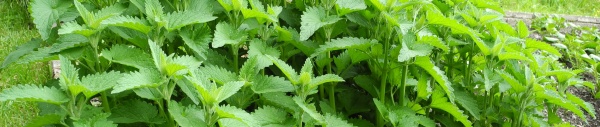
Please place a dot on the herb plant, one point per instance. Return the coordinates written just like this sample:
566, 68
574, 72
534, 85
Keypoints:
292, 63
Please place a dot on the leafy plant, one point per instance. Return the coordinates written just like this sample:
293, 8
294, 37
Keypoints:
292, 63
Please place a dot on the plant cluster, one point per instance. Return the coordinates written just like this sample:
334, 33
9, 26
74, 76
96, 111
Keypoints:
580, 44
292, 63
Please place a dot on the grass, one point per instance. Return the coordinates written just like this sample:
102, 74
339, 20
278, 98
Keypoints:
571, 7
14, 31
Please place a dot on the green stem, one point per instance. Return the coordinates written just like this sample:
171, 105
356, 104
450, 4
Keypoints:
234, 51
105, 102
403, 85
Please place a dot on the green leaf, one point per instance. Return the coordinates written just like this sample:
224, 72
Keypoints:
227, 90
310, 109
289, 72
154, 11
158, 56
588, 107
140, 79
180, 19
227, 34
197, 39
439, 19
129, 22
267, 84
218, 74
553, 97
438, 101
334, 121
260, 50
523, 30
45, 120
270, 116
411, 50
98, 120
69, 75
324, 79
99, 82
437, 74
469, 103
249, 69
514, 83
238, 114
47, 12
433, 41
34, 93
187, 116
20, 51
344, 43
313, 19
129, 56
74, 28
134, 111
94, 20
280, 100
347, 6
531, 43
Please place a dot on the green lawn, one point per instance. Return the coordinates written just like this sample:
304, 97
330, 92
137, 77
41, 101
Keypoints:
14, 31
572, 7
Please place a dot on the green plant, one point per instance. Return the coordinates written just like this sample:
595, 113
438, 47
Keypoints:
234, 62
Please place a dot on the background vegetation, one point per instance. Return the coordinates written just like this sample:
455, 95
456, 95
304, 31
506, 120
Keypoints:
14, 31
573, 7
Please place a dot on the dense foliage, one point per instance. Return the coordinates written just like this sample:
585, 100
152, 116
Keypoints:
292, 63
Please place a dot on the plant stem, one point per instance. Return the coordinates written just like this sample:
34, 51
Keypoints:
105, 102
383, 83
403, 84
234, 51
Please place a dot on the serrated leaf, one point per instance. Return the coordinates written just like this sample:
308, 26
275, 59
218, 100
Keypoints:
126, 55
437, 74
179, 19
135, 111
128, 22
289, 72
34, 93
99, 82
267, 84
97, 120
260, 49
187, 116
334, 121
94, 20
45, 120
270, 116
310, 109
69, 76
139, 79
344, 43
440, 102
74, 28
154, 11
523, 30
347, 6
319, 80
435, 18
238, 114
20, 51
197, 39
588, 107
553, 97
531, 43
433, 41
280, 100
467, 101
249, 69
218, 74
409, 51
158, 56
47, 12
228, 89
313, 19
227, 34
179, 64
